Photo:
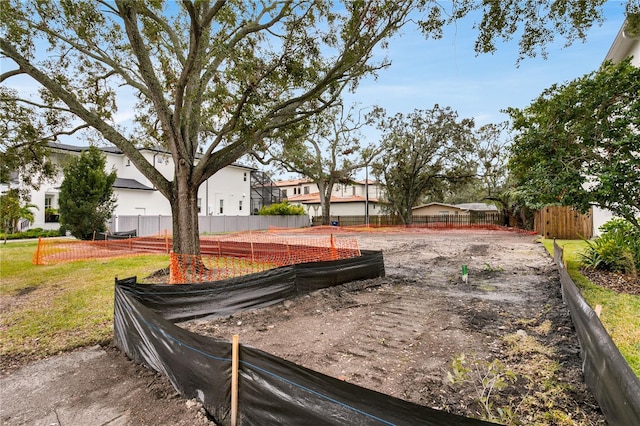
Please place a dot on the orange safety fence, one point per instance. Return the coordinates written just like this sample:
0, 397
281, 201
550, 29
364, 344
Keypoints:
221, 256
51, 250
281, 249
246, 253
184, 268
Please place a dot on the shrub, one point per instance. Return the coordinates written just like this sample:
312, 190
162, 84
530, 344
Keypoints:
617, 249
282, 209
32, 233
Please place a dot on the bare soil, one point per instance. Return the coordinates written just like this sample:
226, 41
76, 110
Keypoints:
398, 334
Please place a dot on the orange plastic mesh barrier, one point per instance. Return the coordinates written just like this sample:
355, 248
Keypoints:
185, 268
221, 256
52, 251
246, 253
279, 249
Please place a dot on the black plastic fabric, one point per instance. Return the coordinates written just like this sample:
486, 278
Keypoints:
272, 391
606, 372
122, 235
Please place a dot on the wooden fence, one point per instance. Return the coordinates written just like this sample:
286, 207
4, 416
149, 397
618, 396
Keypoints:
563, 223
437, 221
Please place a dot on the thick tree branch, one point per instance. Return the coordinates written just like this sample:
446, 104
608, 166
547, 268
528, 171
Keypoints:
89, 117
9, 74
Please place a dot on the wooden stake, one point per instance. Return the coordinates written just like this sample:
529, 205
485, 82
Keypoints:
234, 380
253, 259
598, 310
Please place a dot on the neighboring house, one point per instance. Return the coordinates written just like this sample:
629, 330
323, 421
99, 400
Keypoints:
624, 45
340, 206
226, 193
442, 209
346, 199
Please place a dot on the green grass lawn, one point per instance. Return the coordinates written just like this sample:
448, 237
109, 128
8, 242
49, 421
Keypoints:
620, 312
56, 308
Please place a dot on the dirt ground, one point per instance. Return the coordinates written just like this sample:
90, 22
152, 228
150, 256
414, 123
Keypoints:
398, 334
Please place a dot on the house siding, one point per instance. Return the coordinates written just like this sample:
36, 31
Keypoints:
437, 209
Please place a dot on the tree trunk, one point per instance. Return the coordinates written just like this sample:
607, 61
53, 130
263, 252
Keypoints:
184, 207
325, 202
407, 215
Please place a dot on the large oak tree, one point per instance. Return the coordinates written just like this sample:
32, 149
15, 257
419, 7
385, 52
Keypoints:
424, 152
213, 79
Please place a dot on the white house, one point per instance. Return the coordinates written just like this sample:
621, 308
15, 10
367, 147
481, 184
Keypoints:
624, 45
352, 199
227, 193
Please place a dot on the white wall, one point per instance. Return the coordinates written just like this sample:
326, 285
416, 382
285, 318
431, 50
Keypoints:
232, 187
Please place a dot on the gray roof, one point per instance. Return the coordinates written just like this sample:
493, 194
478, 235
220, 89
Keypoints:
130, 184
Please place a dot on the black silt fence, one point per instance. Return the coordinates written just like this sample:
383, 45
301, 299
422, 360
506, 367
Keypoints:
606, 372
272, 391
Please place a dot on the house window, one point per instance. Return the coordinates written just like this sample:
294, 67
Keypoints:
199, 205
221, 206
306, 190
128, 163
284, 193
296, 191
240, 205
48, 202
353, 190
245, 176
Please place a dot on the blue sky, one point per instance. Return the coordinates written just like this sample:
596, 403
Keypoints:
448, 72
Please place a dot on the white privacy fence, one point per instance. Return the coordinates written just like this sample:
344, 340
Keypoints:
153, 225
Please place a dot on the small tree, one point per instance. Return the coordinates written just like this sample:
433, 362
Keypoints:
11, 211
86, 194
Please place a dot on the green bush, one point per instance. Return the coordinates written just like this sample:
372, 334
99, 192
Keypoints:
282, 209
32, 233
617, 249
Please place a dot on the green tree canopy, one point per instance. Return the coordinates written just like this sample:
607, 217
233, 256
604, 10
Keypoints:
86, 194
213, 79
578, 144
491, 154
23, 144
12, 210
424, 153
328, 151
